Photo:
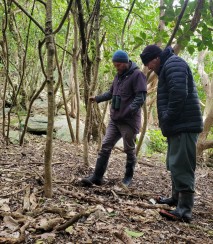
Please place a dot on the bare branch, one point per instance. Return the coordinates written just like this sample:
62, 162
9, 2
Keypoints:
178, 23
127, 17
64, 49
211, 7
42, 2
40, 44
64, 18
28, 15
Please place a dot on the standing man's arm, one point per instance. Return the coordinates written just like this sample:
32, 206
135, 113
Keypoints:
139, 100
140, 89
103, 97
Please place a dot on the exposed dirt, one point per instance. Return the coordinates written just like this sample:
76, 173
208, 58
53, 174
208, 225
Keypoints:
106, 214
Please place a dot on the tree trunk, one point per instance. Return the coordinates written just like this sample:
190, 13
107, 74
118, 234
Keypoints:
4, 45
75, 68
51, 103
64, 98
208, 111
143, 131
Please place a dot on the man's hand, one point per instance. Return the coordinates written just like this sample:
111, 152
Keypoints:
92, 99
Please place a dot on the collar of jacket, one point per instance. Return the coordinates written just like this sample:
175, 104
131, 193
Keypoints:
167, 53
132, 66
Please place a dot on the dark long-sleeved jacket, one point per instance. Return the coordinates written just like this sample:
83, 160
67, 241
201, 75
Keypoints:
131, 89
177, 98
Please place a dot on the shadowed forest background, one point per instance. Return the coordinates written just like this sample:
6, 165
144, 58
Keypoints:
53, 56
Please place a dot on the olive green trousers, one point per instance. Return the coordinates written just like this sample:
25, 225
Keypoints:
181, 160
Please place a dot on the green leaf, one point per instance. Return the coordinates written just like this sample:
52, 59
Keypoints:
191, 49
69, 229
112, 214
210, 232
143, 35
133, 233
138, 40
39, 242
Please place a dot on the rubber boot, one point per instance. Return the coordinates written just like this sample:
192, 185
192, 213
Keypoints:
183, 212
171, 201
130, 166
97, 177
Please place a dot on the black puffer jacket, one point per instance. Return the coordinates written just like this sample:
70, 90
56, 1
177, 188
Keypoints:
177, 99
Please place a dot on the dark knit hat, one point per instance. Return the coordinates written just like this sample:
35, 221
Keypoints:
120, 57
149, 53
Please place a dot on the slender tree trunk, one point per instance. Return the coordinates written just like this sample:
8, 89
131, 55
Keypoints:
5, 53
93, 85
203, 143
64, 98
143, 131
51, 103
75, 68
125, 22
100, 128
29, 111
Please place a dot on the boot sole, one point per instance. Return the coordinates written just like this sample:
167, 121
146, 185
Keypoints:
89, 183
173, 217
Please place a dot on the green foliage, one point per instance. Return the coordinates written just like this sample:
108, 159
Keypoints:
142, 28
210, 135
157, 141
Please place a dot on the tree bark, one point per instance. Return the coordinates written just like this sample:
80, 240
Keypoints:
75, 68
95, 77
51, 103
203, 143
64, 98
6, 66
143, 131
125, 22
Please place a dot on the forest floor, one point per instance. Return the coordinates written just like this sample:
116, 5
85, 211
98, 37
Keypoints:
104, 214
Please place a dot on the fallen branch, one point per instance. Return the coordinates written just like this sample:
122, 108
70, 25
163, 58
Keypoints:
80, 196
54, 210
147, 164
15, 215
48, 225
127, 192
153, 206
75, 219
21, 239
188, 239
15, 192
123, 237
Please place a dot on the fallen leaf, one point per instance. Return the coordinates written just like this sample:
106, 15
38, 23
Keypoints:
5, 208
152, 201
133, 233
69, 229
4, 200
11, 223
33, 201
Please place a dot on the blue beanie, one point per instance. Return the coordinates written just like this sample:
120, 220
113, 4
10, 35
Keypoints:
120, 57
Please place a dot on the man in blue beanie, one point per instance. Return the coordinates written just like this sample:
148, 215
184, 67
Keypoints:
128, 93
180, 120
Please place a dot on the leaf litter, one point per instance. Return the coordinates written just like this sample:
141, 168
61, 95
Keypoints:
110, 213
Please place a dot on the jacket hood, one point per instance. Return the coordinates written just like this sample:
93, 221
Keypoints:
166, 53
131, 69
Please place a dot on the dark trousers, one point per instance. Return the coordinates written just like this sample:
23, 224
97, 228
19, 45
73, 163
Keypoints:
114, 132
181, 160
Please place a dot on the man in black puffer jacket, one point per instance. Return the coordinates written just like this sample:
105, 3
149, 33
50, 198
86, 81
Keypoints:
181, 122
